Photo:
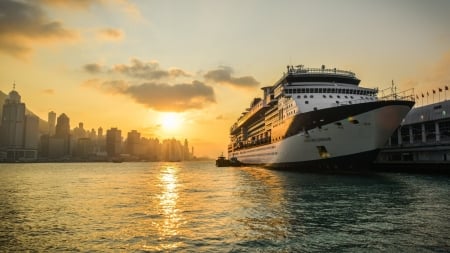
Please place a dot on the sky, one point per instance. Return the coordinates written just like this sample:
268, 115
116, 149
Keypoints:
189, 68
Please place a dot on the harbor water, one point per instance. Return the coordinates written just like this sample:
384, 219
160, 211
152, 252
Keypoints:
197, 207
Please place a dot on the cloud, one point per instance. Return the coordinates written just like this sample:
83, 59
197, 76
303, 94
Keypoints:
110, 34
223, 75
49, 91
23, 24
147, 70
160, 96
92, 68
178, 97
80, 4
110, 87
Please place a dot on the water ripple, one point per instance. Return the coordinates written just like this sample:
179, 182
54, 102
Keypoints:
196, 207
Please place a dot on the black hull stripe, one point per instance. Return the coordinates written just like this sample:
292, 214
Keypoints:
355, 162
313, 119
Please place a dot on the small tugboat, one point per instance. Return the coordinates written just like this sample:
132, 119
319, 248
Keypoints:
222, 162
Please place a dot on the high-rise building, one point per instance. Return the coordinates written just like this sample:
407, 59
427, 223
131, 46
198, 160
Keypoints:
113, 142
59, 145
31, 138
62, 126
13, 122
18, 132
134, 143
51, 123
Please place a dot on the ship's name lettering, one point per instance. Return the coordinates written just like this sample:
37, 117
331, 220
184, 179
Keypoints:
318, 139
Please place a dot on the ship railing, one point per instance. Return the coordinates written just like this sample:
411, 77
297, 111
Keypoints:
301, 70
407, 95
393, 95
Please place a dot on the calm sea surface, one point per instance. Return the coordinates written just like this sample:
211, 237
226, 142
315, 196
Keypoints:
196, 207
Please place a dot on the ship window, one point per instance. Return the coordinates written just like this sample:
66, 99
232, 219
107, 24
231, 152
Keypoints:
305, 96
311, 96
346, 96
338, 96
316, 90
324, 96
299, 96
306, 102
328, 90
321, 90
337, 102
302, 90
351, 97
350, 102
331, 96
333, 90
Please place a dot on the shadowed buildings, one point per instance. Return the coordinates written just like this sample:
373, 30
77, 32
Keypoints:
113, 142
19, 133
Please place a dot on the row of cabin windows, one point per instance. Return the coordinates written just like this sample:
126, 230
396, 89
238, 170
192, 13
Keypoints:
330, 96
330, 90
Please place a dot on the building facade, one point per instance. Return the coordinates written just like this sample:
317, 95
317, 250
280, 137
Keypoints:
422, 138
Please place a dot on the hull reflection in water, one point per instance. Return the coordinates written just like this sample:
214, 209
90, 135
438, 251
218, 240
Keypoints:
196, 207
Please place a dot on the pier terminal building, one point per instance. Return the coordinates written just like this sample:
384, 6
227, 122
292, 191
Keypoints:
423, 139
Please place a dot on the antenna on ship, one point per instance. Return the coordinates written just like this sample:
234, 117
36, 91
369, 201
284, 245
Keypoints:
394, 90
14, 85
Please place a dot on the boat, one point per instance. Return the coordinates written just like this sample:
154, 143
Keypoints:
318, 119
223, 162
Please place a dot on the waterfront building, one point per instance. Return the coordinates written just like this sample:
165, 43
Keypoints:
422, 138
31, 134
113, 142
134, 145
13, 121
18, 132
84, 148
59, 145
51, 123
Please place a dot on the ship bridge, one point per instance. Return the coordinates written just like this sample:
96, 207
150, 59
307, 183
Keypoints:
299, 74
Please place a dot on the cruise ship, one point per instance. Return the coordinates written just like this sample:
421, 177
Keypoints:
317, 119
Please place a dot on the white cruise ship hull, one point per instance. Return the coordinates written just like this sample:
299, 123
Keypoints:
338, 138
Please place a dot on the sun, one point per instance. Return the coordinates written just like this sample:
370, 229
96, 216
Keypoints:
170, 121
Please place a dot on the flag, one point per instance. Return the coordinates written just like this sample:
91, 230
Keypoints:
428, 94
423, 95
417, 96
440, 90
434, 92
446, 87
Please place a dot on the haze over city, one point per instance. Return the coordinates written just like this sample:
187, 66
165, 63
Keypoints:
187, 69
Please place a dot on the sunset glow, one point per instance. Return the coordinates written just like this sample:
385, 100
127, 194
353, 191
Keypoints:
171, 122
177, 68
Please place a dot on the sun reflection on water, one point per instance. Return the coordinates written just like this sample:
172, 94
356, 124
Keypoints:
171, 218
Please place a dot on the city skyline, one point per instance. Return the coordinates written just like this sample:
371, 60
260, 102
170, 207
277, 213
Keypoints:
188, 69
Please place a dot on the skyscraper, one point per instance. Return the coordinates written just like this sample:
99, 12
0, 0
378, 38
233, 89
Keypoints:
13, 122
113, 142
59, 145
51, 123
18, 132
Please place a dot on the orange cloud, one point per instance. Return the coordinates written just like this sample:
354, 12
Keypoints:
49, 91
